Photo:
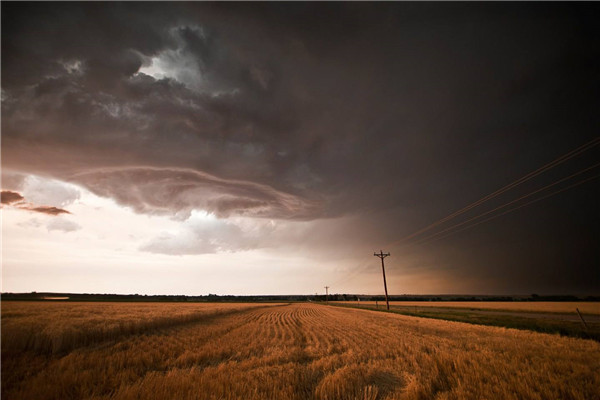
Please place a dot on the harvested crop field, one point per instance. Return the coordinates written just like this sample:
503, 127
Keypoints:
281, 351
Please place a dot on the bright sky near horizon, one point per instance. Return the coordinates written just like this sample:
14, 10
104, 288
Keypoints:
102, 247
271, 148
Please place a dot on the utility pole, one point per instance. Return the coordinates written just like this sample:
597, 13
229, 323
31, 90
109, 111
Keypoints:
382, 256
327, 294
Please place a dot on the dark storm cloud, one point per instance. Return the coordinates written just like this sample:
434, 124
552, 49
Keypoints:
394, 113
216, 121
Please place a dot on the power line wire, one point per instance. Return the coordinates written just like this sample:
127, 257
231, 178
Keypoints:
426, 239
513, 209
540, 170
517, 182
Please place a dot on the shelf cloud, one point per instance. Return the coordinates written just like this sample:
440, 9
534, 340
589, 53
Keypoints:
390, 115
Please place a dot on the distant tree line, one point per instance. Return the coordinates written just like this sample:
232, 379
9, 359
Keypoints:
36, 296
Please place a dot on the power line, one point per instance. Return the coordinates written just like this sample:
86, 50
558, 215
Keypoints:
434, 237
517, 182
427, 239
513, 209
451, 230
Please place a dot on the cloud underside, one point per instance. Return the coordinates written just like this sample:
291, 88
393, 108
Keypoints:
179, 191
208, 236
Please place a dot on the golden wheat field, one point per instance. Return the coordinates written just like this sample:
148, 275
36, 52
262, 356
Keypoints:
279, 351
587, 307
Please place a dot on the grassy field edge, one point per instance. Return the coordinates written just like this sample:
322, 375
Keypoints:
563, 328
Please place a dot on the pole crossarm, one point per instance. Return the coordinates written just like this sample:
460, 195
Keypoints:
381, 254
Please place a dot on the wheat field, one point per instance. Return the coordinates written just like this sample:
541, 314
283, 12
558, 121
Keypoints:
54, 327
280, 351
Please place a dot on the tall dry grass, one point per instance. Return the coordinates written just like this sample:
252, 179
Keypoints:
307, 351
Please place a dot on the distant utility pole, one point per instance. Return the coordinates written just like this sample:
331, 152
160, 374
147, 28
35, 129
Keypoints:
382, 256
327, 294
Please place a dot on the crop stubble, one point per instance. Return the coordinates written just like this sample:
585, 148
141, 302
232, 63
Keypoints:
298, 351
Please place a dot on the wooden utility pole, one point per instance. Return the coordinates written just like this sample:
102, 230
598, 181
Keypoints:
326, 294
382, 256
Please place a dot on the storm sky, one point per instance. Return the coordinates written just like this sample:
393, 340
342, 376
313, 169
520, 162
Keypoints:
247, 148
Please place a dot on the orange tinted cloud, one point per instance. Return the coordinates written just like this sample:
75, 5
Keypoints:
17, 200
9, 197
48, 210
